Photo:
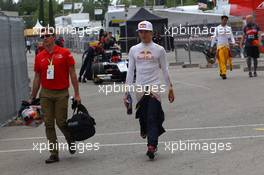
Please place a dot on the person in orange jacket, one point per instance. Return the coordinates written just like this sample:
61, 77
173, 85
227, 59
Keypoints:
252, 43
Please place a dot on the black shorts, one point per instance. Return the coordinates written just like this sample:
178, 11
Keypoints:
252, 51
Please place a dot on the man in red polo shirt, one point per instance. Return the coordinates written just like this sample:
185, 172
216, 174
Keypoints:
53, 67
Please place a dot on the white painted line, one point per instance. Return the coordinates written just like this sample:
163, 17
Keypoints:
136, 132
216, 127
23, 138
185, 129
161, 142
188, 140
193, 85
15, 150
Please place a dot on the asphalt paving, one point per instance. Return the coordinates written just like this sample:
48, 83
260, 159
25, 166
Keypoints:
214, 127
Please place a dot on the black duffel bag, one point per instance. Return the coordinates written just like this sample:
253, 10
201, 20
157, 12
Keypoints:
81, 125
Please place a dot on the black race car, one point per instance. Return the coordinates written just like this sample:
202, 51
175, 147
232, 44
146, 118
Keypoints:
109, 66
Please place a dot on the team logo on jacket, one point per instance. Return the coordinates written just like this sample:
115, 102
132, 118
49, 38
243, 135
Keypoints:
59, 56
145, 55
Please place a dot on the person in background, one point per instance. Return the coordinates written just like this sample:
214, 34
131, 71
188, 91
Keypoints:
101, 34
39, 48
28, 46
159, 39
110, 41
103, 40
172, 47
223, 36
262, 44
53, 67
154, 37
117, 36
251, 39
115, 57
60, 41
36, 47
262, 39
86, 69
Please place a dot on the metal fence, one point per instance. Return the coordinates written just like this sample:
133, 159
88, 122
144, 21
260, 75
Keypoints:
190, 50
76, 43
14, 81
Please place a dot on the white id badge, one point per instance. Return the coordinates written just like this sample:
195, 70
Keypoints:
50, 72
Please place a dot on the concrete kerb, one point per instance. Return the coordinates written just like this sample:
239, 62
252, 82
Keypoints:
176, 64
209, 66
190, 65
260, 68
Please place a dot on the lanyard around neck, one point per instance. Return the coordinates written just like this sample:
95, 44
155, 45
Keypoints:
50, 60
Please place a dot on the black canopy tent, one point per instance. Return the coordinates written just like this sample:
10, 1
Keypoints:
128, 29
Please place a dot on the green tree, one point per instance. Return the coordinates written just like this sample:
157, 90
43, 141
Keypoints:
51, 14
168, 3
28, 7
139, 3
41, 12
174, 3
88, 7
26, 10
8, 5
57, 10
125, 2
104, 4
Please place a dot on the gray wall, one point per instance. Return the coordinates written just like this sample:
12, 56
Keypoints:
14, 81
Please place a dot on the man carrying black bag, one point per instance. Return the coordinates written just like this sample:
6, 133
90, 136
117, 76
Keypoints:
54, 66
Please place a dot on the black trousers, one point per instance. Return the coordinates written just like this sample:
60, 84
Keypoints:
28, 49
86, 69
252, 53
255, 63
152, 122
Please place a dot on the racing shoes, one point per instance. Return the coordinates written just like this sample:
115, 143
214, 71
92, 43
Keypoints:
52, 159
151, 152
